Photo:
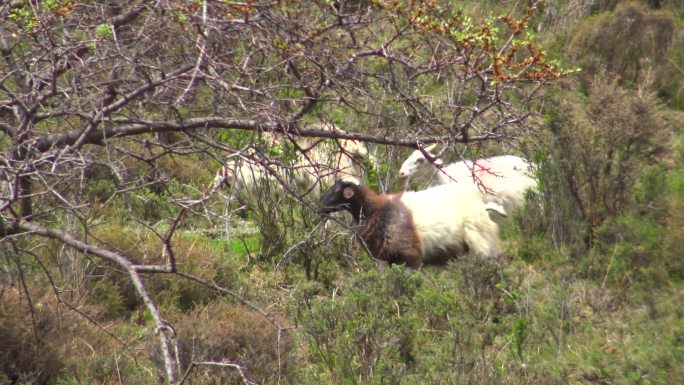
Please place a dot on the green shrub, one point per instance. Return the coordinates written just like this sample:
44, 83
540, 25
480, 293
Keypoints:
674, 237
632, 251
599, 147
436, 326
361, 334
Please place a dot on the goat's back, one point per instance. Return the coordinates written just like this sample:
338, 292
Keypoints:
442, 216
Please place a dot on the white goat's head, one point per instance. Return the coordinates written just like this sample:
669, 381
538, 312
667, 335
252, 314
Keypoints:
417, 165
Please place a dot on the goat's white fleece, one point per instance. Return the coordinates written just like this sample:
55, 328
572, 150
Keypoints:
451, 216
505, 178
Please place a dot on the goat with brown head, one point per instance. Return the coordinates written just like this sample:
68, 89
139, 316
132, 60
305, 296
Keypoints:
415, 228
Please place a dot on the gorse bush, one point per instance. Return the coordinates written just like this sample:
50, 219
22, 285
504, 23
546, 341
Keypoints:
599, 147
630, 40
405, 327
673, 203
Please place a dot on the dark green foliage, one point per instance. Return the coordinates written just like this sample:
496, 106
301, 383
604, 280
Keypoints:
634, 247
150, 205
674, 237
401, 326
363, 334
519, 335
107, 293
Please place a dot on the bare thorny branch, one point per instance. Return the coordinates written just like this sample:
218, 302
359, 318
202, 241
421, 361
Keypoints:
163, 329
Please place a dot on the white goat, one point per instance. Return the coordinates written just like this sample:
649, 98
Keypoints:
317, 163
249, 180
504, 179
328, 161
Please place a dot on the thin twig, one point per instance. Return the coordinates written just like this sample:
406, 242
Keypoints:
195, 364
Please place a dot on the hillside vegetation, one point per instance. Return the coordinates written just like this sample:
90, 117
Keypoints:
120, 264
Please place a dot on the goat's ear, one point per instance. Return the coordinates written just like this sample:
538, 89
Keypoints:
348, 192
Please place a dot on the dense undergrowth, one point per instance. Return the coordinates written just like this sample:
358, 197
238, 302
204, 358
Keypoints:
589, 290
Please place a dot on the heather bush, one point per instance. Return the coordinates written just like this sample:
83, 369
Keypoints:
29, 351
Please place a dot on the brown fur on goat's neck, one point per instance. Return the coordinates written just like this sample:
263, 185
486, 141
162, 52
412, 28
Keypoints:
366, 202
386, 227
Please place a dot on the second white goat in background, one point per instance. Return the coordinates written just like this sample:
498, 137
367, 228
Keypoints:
502, 179
317, 165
